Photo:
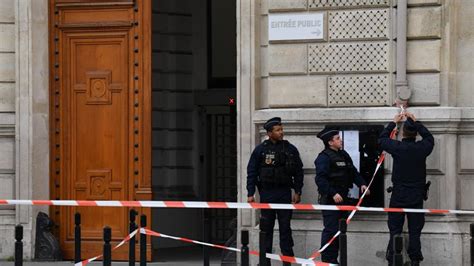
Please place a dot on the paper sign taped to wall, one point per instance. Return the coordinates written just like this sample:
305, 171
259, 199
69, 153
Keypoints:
351, 146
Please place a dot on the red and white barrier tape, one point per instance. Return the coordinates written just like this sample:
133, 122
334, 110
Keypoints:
125, 240
256, 253
224, 205
145, 231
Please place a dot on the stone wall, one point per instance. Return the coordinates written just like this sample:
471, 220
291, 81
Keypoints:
350, 67
311, 84
24, 119
465, 53
7, 123
425, 41
355, 60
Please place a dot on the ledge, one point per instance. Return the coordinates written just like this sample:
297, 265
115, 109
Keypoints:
364, 115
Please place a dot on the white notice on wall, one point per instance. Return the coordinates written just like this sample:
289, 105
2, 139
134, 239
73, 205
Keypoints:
351, 146
296, 26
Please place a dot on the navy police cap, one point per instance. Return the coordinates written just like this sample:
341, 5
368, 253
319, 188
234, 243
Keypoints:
272, 122
327, 133
409, 125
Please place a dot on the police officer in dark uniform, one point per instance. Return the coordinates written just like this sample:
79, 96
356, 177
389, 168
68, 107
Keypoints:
275, 168
409, 180
335, 175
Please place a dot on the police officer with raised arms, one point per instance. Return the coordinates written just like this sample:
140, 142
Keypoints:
335, 175
409, 180
275, 168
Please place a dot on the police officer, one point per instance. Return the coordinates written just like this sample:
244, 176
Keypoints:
409, 180
275, 168
335, 175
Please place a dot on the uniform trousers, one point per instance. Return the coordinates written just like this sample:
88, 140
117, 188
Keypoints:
268, 217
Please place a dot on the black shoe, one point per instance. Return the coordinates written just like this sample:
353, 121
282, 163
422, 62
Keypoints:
415, 263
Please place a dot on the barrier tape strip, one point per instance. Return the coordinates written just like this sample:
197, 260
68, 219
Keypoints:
125, 240
351, 215
256, 253
145, 231
225, 205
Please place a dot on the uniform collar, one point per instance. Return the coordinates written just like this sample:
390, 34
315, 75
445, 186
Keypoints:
268, 141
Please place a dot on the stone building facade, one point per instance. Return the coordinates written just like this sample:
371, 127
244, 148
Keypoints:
347, 78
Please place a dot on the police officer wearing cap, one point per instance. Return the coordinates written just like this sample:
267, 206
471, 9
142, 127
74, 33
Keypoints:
409, 180
335, 175
275, 168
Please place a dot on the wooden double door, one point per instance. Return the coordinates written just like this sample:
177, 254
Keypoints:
100, 115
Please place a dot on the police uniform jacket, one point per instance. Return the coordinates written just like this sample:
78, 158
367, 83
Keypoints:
257, 159
324, 180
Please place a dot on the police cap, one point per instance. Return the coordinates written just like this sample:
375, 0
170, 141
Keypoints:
272, 122
409, 125
327, 133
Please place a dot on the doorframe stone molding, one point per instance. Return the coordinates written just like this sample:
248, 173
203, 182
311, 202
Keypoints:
31, 113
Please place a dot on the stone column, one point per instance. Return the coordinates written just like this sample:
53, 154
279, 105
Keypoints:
246, 82
32, 108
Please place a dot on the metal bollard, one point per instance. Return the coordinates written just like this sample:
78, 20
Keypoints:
142, 241
343, 242
107, 247
77, 237
131, 247
397, 248
472, 244
18, 245
244, 254
262, 255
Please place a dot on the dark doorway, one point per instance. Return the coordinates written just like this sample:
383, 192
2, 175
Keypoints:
366, 154
193, 124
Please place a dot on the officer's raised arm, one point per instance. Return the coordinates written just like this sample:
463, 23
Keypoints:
386, 143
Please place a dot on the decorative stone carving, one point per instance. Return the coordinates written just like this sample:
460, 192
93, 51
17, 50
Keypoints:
349, 57
359, 24
347, 3
46, 245
358, 90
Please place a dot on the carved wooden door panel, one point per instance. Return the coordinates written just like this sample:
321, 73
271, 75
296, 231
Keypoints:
100, 116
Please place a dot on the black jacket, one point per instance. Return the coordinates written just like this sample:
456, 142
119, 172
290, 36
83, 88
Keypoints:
409, 156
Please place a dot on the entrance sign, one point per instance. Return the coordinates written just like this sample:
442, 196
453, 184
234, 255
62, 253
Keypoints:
296, 26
